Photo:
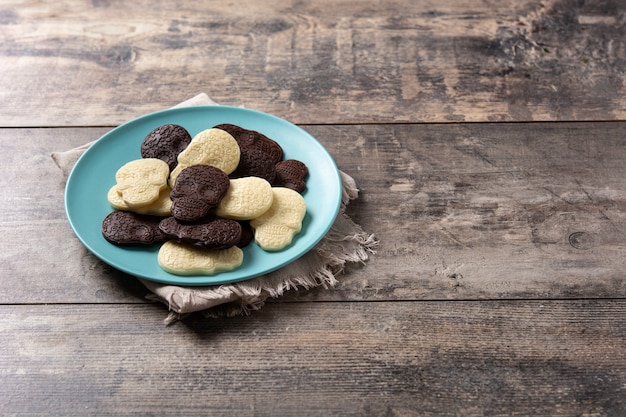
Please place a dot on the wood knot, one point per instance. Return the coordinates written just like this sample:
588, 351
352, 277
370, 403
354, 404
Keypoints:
456, 281
117, 56
581, 240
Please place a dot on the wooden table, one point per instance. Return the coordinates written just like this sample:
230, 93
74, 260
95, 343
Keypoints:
488, 140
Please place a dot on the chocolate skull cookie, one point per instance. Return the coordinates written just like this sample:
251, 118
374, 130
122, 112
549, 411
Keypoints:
128, 228
198, 189
247, 234
165, 143
212, 233
254, 163
259, 154
291, 174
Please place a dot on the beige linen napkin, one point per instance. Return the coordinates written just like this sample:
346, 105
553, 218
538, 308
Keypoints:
345, 242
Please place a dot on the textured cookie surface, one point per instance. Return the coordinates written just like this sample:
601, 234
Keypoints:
251, 139
198, 189
184, 259
165, 143
128, 228
214, 147
140, 182
291, 173
210, 234
255, 163
246, 198
276, 228
259, 154
247, 234
161, 207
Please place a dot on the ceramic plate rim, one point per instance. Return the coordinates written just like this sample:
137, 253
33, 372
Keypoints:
319, 219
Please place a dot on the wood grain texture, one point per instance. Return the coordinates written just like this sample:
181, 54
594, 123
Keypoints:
39, 252
371, 359
98, 63
489, 210
498, 287
468, 211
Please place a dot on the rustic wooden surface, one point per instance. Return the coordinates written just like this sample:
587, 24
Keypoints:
365, 358
330, 61
488, 140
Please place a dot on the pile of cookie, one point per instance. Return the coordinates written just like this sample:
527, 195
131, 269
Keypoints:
204, 198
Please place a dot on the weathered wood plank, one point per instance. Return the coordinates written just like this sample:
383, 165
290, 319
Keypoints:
76, 63
350, 359
39, 254
468, 211
489, 210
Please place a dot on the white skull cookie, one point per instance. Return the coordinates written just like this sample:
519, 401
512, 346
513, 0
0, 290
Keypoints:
213, 147
140, 182
185, 259
160, 207
276, 228
246, 199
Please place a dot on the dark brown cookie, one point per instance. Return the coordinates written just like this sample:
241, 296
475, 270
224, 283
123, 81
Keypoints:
247, 234
198, 189
165, 143
254, 163
213, 233
247, 138
128, 228
291, 174
259, 154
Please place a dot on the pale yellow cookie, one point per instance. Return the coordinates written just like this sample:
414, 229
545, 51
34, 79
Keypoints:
140, 182
246, 198
161, 207
214, 147
183, 259
275, 229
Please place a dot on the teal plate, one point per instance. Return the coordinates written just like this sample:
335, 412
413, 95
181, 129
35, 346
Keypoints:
93, 175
